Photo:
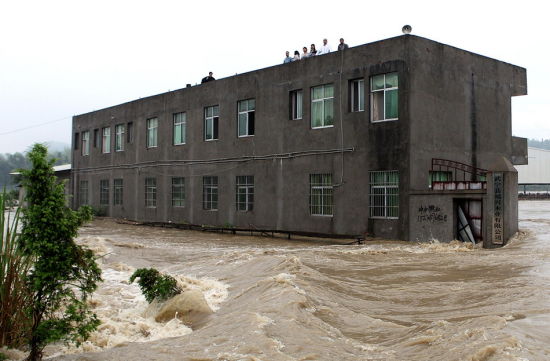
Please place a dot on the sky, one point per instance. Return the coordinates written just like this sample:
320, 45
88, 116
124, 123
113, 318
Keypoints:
62, 58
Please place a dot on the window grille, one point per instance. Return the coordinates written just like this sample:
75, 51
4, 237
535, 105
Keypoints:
384, 194
245, 193
321, 194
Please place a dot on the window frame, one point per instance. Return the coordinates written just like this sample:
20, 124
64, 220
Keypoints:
210, 194
247, 113
118, 191
380, 200
152, 132
120, 131
150, 192
182, 125
103, 192
385, 90
244, 186
213, 118
130, 132
357, 86
83, 193
106, 140
178, 192
296, 104
324, 101
85, 143
321, 189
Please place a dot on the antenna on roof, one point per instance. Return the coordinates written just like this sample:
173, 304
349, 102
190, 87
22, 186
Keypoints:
406, 29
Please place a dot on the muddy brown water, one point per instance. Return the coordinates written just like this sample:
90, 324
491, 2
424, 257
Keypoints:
276, 299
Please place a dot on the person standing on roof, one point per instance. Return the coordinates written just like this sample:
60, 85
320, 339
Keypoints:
325, 49
288, 59
208, 78
342, 45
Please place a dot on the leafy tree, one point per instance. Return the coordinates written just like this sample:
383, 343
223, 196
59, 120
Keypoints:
64, 274
154, 284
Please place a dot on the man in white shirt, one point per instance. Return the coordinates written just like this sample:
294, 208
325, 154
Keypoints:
325, 49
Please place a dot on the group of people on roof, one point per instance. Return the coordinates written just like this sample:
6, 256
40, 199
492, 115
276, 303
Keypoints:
324, 49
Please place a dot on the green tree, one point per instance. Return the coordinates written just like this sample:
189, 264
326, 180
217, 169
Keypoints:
64, 274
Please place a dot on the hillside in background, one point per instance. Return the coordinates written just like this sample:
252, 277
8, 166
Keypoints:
11, 162
541, 144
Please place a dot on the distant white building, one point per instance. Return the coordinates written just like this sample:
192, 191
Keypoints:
538, 169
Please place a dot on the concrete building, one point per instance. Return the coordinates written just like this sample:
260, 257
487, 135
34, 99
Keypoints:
403, 138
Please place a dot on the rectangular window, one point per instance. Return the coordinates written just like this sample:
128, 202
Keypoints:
106, 140
320, 194
150, 192
322, 112
104, 192
384, 194
118, 191
152, 129
83, 193
247, 111
178, 192
211, 119
357, 95
119, 137
383, 97
296, 104
96, 138
86, 143
76, 141
180, 120
130, 134
245, 193
210, 193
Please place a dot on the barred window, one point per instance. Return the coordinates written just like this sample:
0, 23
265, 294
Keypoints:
322, 100
383, 94
118, 191
247, 112
384, 194
245, 193
180, 120
83, 192
106, 140
178, 192
104, 192
152, 131
150, 192
119, 137
320, 194
210, 193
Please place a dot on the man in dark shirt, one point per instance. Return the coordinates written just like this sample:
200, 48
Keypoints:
342, 45
208, 78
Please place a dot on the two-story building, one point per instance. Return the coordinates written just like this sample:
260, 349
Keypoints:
403, 138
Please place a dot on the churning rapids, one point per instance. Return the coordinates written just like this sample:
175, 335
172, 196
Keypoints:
276, 299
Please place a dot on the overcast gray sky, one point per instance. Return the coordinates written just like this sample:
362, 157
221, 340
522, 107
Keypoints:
60, 58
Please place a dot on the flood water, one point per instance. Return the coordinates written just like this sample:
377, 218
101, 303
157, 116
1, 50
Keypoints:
276, 299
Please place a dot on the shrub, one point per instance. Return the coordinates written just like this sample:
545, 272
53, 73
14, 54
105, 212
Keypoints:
154, 284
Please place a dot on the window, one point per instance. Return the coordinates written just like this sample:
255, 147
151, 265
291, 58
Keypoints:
119, 137
210, 193
130, 134
384, 194
178, 192
245, 193
320, 194
150, 192
296, 104
322, 98
106, 140
76, 141
83, 192
211, 117
86, 143
384, 97
96, 138
104, 192
246, 117
440, 176
180, 120
357, 95
118, 191
152, 127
